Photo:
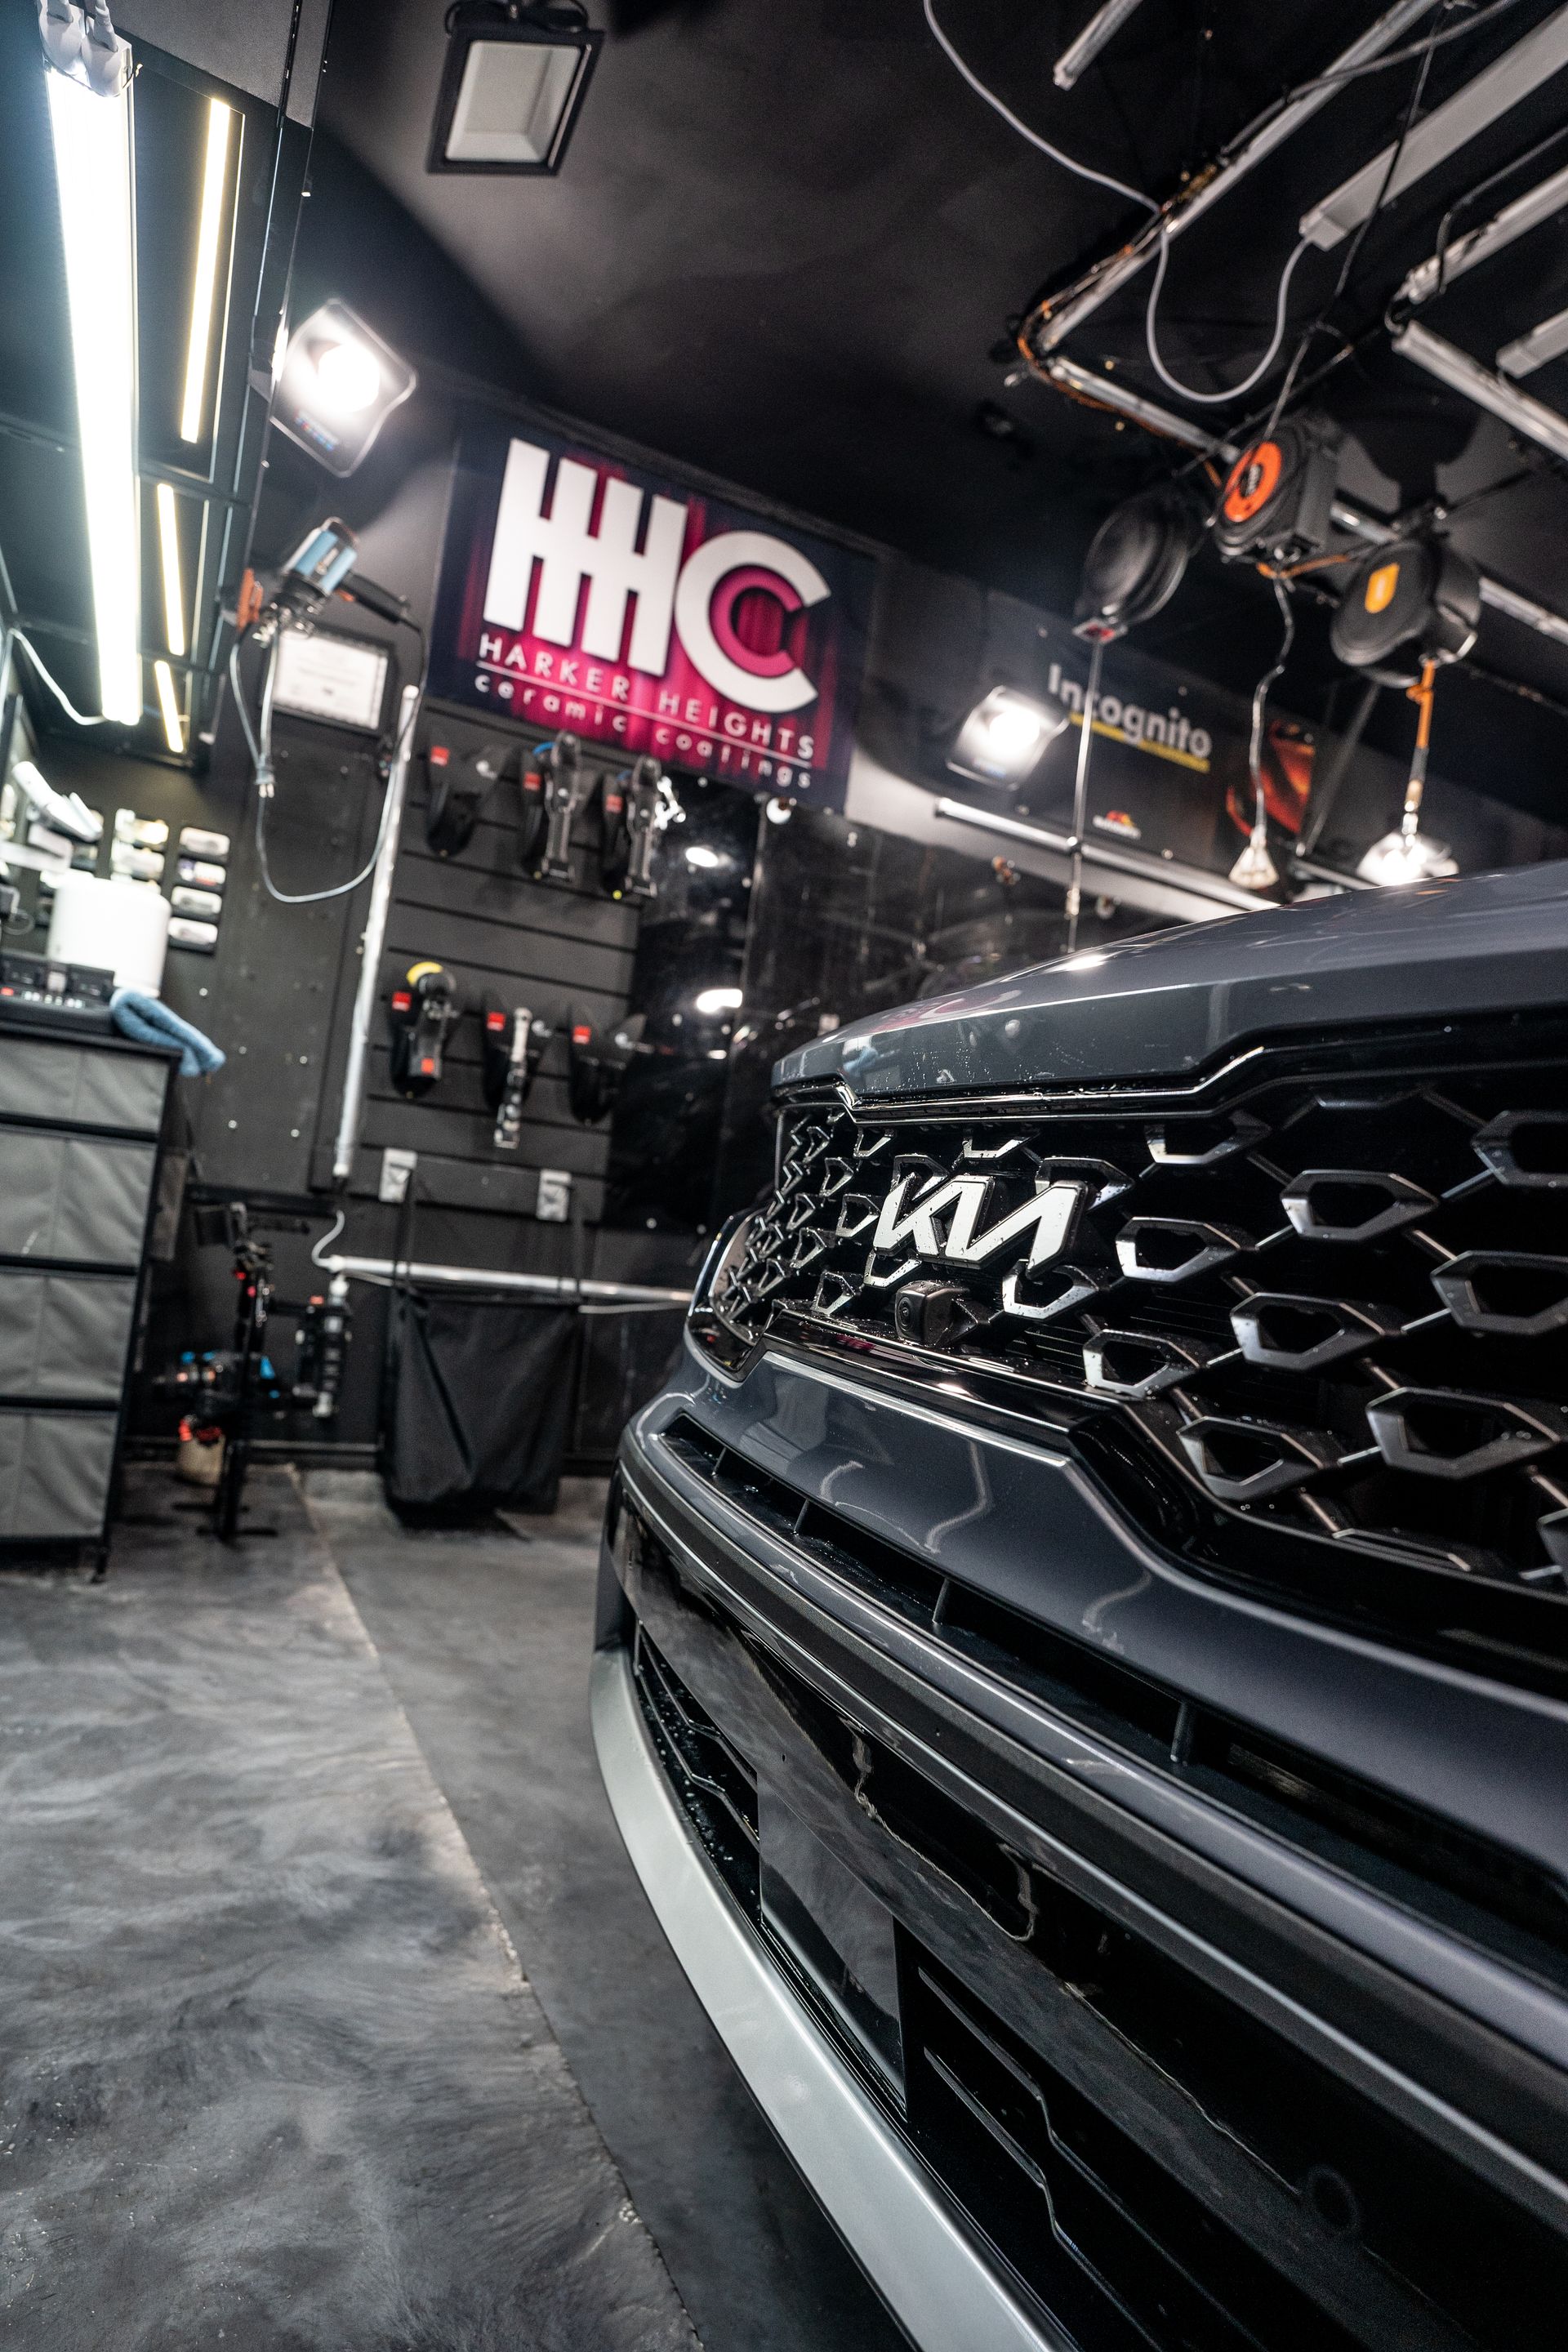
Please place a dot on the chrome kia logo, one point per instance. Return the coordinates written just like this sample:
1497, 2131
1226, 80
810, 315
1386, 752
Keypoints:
912, 1224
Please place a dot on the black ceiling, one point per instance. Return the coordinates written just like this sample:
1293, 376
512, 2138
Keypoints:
787, 239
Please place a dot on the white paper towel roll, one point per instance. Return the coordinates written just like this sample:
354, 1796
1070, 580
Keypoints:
121, 927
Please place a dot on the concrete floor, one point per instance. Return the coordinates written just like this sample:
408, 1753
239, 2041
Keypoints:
316, 1935
270, 2075
486, 1639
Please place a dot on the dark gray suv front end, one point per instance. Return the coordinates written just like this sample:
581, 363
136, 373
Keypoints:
1083, 1670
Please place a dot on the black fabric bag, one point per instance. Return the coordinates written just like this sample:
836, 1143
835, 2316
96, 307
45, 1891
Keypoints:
478, 1402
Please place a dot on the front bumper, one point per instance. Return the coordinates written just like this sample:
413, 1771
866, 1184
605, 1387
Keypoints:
1292, 2113
926, 2269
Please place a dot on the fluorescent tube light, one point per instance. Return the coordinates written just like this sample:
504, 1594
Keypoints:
169, 556
1080, 54
1462, 374
1050, 323
169, 704
1515, 220
204, 283
92, 168
1512, 77
1549, 341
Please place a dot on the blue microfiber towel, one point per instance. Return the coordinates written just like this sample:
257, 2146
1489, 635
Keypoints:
149, 1023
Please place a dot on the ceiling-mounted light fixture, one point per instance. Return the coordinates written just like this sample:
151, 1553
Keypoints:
337, 386
1516, 75
516, 74
92, 138
1002, 739
1079, 55
203, 282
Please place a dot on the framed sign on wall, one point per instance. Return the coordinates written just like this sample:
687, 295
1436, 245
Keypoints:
582, 595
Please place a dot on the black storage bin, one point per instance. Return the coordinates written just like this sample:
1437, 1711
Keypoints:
478, 1402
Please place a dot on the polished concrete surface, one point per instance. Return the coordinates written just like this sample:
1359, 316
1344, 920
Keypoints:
270, 2073
486, 1638
314, 1919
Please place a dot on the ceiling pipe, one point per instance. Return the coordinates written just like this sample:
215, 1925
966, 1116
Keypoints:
1102, 27
1050, 323
1463, 374
1080, 384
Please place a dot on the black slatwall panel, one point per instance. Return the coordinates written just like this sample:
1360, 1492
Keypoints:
562, 951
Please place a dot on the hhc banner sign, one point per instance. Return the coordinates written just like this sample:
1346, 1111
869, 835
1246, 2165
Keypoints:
579, 594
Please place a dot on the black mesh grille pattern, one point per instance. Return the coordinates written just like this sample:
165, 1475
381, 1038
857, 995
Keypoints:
1335, 1304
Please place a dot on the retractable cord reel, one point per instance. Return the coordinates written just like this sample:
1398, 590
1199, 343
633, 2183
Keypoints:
1278, 503
512, 1047
1136, 562
424, 1008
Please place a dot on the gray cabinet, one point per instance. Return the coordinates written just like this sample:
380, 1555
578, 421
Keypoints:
78, 1154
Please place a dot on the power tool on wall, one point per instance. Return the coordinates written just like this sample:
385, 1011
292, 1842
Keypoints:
552, 792
596, 1064
512, 1048
425, 1006
634, 811
458, 783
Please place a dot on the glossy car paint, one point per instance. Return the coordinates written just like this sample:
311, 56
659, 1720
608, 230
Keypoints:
1179, 1001
1467, 2048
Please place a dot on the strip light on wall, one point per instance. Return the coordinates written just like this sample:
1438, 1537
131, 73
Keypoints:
169, 556
92, 168
204, 284
169, 705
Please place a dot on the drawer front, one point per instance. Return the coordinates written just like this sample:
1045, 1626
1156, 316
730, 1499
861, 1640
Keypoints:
54, 1473
81, 1086
65, 1335
73, 1197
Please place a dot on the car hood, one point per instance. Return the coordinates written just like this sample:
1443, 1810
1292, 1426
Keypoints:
1168, 1005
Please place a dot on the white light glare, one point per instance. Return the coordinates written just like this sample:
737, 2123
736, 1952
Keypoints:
1403, 857
169, 704
350, 377
1013, 730
92, 169
718, 1000
706, 859
169, 556
1002, 739
204, 283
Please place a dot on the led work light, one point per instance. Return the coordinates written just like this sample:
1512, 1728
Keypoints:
1003, 736
338, 385
517, 71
